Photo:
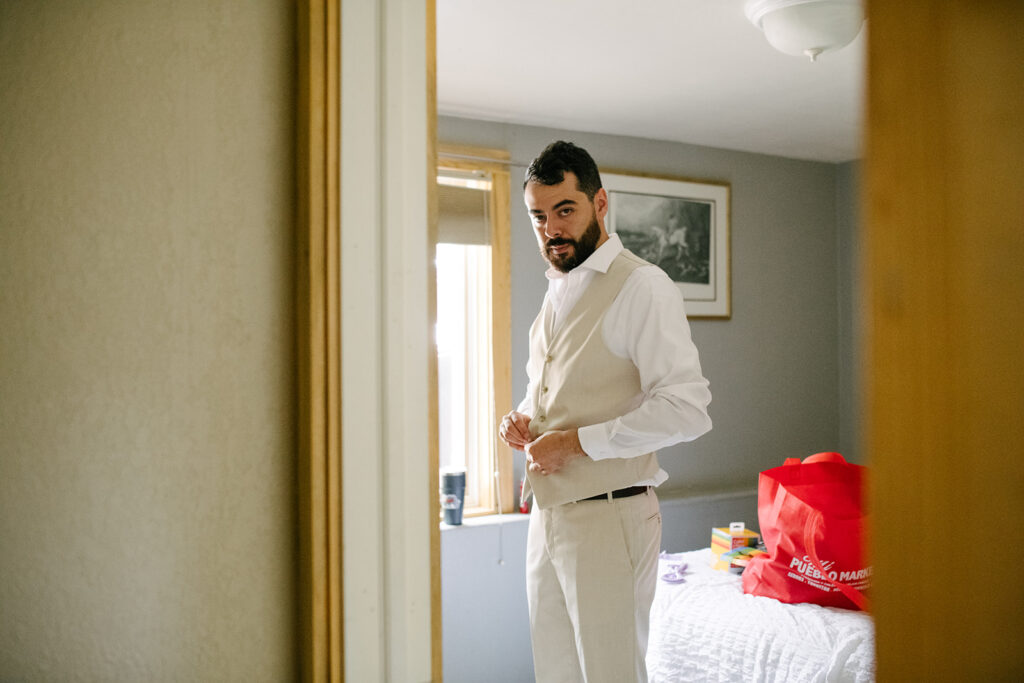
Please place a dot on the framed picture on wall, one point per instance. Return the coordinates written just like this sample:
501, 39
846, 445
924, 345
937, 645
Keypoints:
681, 226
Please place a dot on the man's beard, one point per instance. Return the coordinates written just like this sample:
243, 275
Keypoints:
581, 248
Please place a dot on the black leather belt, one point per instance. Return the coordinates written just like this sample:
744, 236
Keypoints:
620, 493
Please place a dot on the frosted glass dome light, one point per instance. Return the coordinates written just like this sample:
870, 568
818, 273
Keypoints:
806, 27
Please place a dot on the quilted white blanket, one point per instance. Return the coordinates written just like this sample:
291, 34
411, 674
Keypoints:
707, 629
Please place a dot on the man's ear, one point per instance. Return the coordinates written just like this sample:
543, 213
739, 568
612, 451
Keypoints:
601, 203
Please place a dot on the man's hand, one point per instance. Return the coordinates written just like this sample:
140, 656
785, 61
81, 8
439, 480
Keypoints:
551, 451
514, 430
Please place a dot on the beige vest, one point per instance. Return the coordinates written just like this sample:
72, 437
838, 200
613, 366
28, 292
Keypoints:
579, 382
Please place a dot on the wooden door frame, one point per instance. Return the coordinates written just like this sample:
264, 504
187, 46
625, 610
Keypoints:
384, 502
945, 373
318, 325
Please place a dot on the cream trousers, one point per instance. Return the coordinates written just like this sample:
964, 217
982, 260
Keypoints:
591, 569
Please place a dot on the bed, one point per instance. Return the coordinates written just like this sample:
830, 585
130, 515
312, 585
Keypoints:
706, 629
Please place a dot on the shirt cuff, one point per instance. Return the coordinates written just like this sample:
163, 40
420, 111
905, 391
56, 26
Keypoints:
594, 441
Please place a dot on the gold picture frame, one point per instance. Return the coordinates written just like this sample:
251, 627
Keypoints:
682, 226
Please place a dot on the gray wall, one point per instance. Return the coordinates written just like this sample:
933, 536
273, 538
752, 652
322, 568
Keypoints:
147, 361
782, 369
850, 313
485, 625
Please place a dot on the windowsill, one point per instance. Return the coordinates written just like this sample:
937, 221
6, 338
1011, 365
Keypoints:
488, 520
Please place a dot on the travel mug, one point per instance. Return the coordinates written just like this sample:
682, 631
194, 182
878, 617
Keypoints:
453, 491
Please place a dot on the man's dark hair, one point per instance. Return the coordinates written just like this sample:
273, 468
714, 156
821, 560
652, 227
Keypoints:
559, 158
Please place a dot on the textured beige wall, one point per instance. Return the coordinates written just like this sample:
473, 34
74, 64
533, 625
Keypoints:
147, 421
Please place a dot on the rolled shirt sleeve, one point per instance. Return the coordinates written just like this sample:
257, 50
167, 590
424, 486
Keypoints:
647, 324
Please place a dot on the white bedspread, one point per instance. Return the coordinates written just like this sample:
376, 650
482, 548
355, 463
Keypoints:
707, 629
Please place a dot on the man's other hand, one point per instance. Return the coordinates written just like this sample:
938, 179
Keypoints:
514, 430
551, 451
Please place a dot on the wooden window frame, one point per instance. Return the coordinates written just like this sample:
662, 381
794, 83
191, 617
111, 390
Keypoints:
494, 163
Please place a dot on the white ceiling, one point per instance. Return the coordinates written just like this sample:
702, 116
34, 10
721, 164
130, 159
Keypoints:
693, 71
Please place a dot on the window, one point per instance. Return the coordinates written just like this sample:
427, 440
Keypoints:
472, 335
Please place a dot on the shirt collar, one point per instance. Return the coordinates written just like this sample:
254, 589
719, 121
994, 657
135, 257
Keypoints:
599, 261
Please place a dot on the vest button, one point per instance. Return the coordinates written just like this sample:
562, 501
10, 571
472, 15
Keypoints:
548, 359
544, 390
541, 418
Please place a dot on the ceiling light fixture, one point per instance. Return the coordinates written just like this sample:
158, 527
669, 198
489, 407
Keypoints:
806, 27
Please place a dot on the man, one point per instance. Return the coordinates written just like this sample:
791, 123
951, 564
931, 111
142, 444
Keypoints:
613, 376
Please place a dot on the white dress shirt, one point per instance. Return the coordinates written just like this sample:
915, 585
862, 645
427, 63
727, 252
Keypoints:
646, 324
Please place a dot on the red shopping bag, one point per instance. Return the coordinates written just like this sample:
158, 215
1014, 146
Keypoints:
814, 524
